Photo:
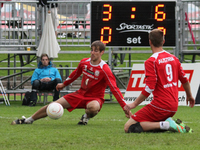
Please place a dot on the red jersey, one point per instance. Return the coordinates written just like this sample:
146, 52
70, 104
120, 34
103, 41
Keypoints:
95, 80
162, 71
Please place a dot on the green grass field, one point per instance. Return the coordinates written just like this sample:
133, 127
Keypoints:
104, 131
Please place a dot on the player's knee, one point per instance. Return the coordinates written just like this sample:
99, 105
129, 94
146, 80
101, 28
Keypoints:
92, 111
126, 128
134, 128
93, 107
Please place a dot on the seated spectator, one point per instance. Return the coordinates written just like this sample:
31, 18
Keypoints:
45, 77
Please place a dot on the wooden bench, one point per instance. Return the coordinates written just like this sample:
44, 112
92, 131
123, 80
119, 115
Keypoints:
46, 93
23, 91
190, 52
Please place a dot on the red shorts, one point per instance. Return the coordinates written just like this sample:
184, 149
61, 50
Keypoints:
77, 100
152, 114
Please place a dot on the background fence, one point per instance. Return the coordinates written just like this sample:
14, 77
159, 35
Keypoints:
21, 26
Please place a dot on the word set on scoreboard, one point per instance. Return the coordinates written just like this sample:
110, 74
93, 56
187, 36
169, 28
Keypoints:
128, 23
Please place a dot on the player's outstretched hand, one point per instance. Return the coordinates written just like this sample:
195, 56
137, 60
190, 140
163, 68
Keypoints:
60, 86
128, 114
130, 106
127, 110
191, 101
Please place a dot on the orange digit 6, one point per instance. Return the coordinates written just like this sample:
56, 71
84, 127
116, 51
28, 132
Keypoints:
107, 12
157, 12
162, 29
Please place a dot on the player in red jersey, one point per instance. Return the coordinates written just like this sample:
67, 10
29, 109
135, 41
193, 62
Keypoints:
96, 76
162, 71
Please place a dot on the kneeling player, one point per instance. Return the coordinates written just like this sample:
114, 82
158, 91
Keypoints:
163, 71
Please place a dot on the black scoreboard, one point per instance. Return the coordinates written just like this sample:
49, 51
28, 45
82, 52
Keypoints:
127, 23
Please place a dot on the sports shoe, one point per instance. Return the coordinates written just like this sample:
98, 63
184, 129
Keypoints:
188, 129
174, 127
84, 120
20, 121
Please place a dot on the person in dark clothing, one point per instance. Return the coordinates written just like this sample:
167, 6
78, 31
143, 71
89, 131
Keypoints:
45, 77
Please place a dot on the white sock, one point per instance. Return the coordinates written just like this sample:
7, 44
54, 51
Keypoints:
29, 120
164, 125
85, 115
86, 118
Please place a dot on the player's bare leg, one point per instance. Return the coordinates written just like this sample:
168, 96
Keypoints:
41, 113
128, 124
91, 110
141, 126
148, 126
168, 125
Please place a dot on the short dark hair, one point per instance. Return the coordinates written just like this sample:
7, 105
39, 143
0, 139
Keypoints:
44, 55
156, 37
99, 45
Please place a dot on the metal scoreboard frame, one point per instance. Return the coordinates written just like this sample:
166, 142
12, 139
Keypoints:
127, 23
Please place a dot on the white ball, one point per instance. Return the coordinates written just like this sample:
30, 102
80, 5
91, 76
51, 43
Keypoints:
55, 110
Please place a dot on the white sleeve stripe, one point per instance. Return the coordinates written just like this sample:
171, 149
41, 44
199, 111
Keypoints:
147, 89
68, 78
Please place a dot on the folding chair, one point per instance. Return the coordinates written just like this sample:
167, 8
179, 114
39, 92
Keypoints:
3, 92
